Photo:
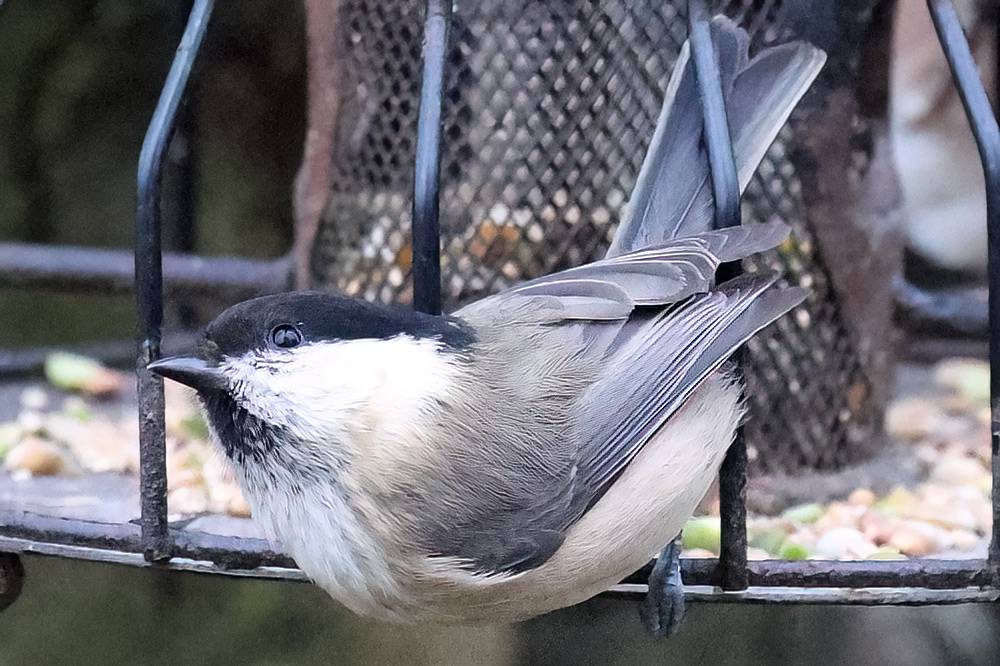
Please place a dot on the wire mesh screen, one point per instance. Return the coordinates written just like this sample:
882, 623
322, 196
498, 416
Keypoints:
548, 110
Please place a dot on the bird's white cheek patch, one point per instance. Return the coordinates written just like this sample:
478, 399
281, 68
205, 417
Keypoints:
379, 386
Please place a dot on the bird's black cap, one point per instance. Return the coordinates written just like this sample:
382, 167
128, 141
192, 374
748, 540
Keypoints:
317, 317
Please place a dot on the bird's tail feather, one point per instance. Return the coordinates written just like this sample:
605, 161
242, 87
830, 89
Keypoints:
672, 195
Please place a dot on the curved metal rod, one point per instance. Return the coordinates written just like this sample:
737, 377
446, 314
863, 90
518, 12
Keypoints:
149, 288
898, 582
732, 567
725, 183
426, 177
987, 135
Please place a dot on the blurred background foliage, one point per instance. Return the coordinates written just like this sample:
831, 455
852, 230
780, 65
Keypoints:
79, 80
78, 83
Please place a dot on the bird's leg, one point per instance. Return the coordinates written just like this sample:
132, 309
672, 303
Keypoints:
662, 610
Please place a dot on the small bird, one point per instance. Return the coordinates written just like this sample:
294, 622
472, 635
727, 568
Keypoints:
533, 448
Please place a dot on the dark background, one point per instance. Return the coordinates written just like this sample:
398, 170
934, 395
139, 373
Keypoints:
78, 83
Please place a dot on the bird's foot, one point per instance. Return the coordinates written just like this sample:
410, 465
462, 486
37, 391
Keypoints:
663, 609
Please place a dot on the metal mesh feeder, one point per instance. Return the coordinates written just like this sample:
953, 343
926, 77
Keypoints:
547, 111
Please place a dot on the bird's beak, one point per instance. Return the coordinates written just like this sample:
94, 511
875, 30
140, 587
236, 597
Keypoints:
197, 373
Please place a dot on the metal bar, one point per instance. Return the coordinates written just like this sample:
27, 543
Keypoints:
426, 178
149, 289
814, 581
987, 135
726, 192
227, 552
249, 553
733, 513
927, 573
79, 269
91, 554
870, 596
725, 183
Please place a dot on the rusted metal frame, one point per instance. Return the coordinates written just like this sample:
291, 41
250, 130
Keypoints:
987, 134
911, 582
426, 178
247, 553
225, 552
726, 191
156, 538
916, 573
839, 596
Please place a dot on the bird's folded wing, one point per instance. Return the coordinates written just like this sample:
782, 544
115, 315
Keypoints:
651, 363
650, 375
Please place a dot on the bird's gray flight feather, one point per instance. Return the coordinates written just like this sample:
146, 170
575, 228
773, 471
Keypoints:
672, 195
662, 364
659, 275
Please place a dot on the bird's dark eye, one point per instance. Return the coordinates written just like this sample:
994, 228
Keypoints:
286, 336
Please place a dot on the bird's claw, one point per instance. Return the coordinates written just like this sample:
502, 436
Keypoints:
663, 608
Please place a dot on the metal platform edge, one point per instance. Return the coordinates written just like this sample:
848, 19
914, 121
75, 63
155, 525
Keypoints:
755, 594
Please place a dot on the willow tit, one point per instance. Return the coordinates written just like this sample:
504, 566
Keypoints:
530, 450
